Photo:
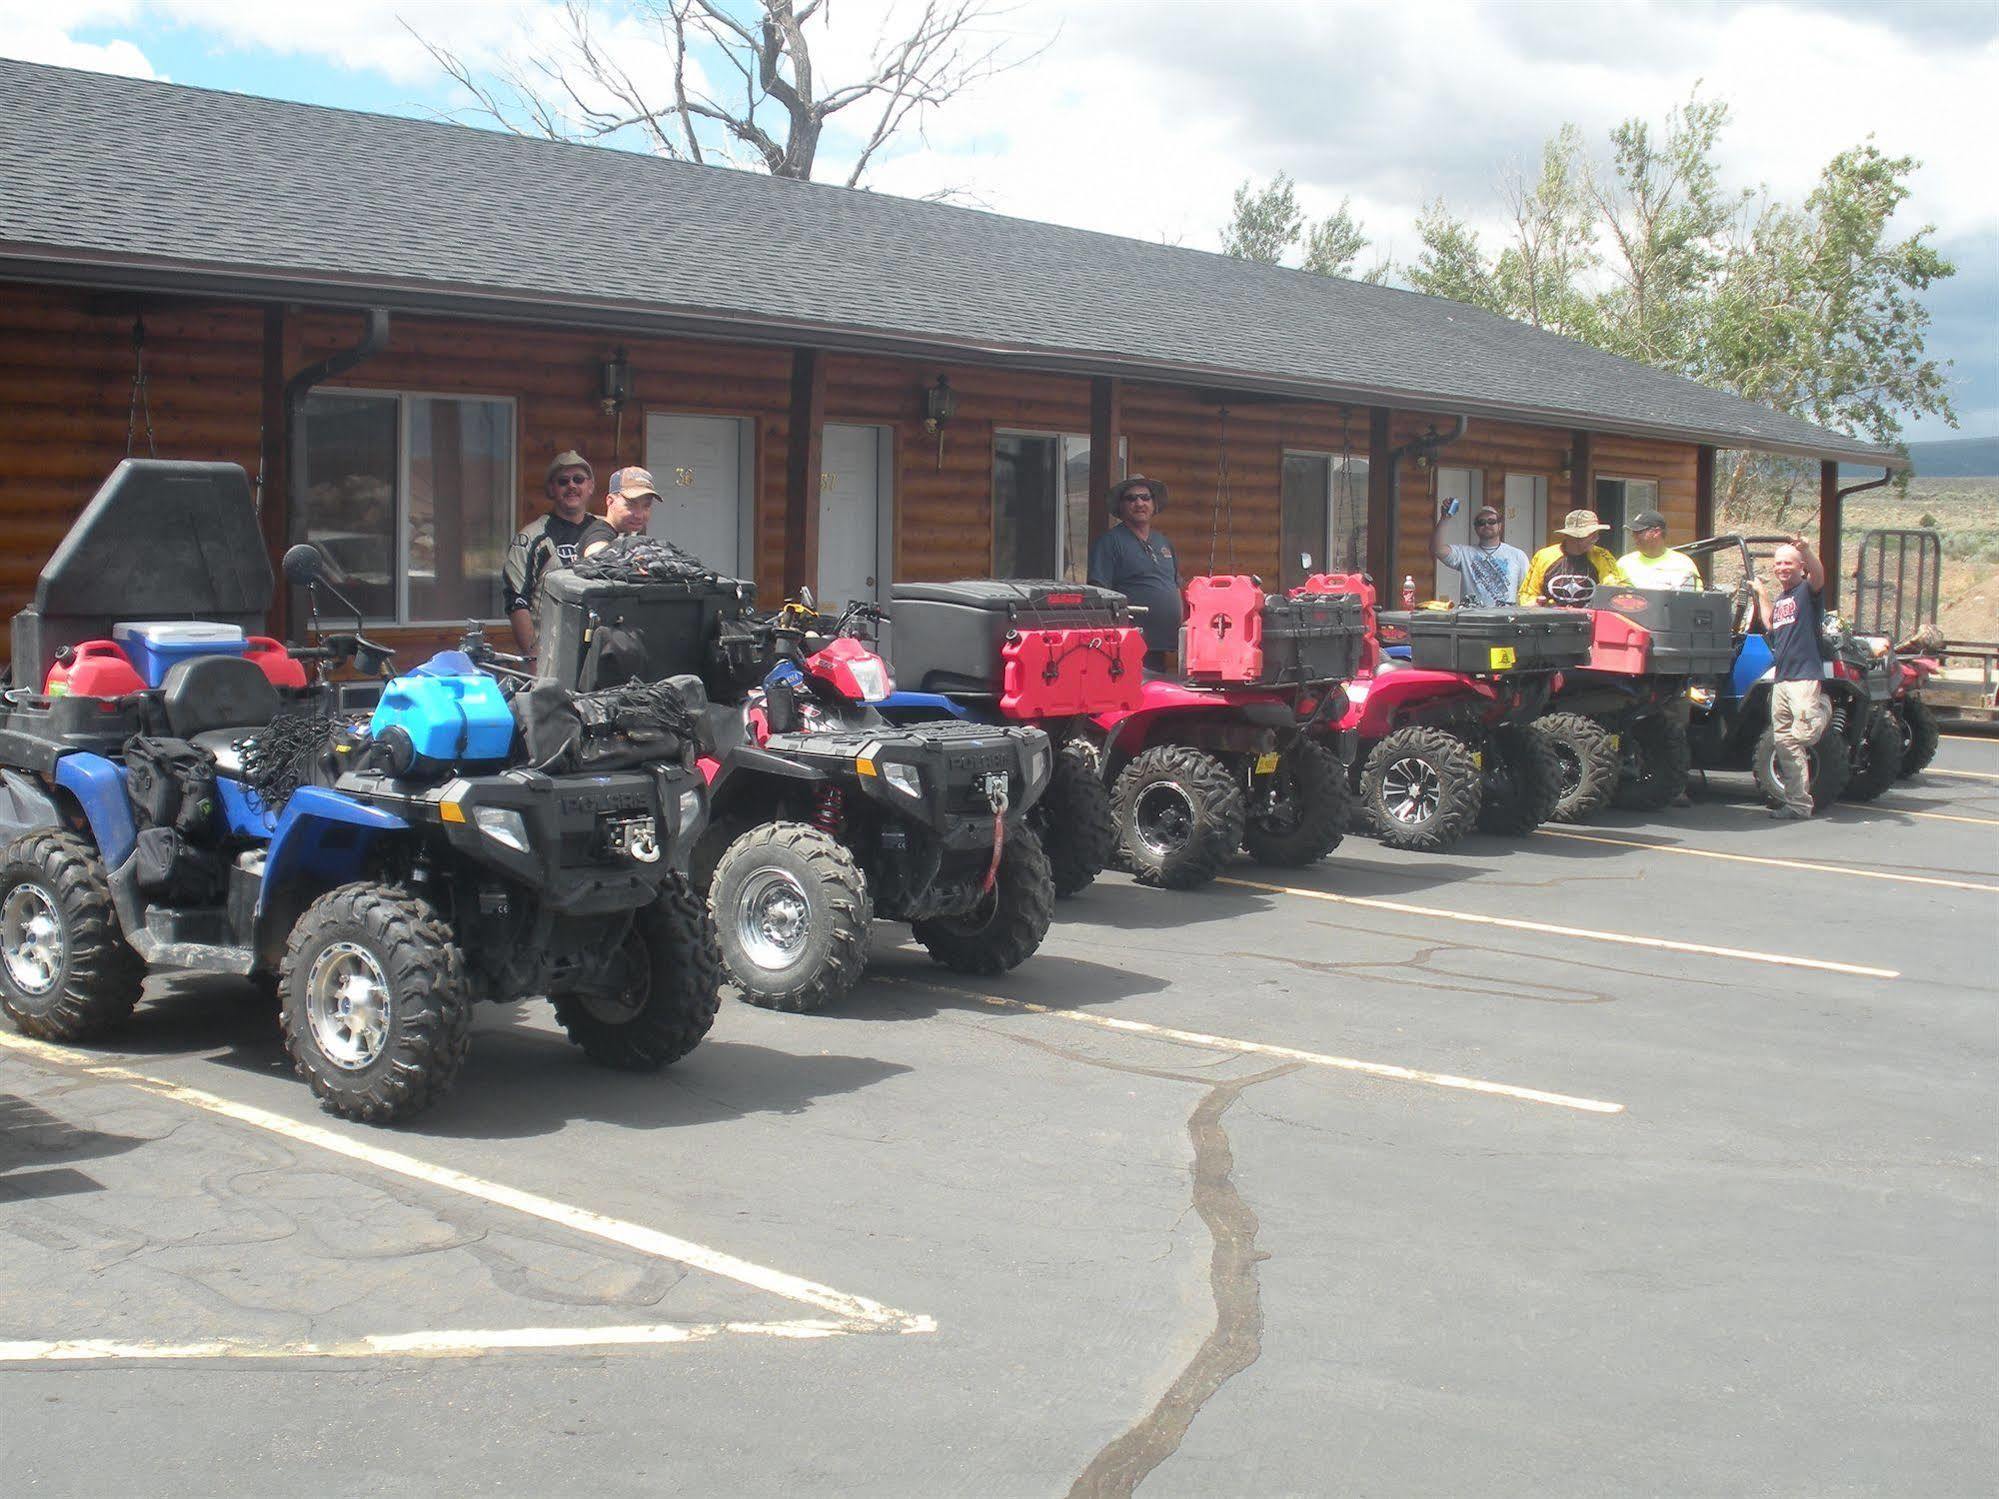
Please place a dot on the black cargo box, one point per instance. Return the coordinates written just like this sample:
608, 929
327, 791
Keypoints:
1312, 638
947, 637
1692, 629
36, 731
1483, 641
678, 625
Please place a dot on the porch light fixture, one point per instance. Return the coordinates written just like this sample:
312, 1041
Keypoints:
614, 383
940, 404
1426, 447
1568, 463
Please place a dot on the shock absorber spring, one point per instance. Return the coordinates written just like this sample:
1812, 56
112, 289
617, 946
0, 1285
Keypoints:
829, 809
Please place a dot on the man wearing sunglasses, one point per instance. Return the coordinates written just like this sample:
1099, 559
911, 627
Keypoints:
1136, 560
555, 540
1492, 570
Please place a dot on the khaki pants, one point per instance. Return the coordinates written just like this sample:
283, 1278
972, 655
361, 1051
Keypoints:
1799, 714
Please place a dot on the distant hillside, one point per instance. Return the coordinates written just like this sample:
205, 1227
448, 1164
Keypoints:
1953, 458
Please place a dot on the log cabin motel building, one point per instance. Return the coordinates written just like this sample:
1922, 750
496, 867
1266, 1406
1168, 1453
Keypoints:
394, 325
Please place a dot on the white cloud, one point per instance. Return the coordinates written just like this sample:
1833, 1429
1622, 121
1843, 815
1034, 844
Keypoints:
41, 32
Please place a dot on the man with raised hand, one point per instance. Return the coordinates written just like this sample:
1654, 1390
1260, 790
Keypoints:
1799, 711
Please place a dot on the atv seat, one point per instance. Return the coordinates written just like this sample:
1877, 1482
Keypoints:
209, 693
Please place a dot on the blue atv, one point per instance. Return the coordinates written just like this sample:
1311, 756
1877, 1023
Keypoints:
378, 868
1730, 722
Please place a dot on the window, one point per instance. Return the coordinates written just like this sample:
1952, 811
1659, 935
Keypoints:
1323, 528
1042, 504
1617, 500
411, 499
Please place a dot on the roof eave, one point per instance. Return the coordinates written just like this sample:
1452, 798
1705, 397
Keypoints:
154, 274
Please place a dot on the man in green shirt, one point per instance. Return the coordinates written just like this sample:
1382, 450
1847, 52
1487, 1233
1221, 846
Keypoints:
1651, 565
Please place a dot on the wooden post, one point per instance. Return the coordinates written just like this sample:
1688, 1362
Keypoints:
1106, 421
1829, 524
801, 471
1582, 493
1703, 492
274, 486
1381, 506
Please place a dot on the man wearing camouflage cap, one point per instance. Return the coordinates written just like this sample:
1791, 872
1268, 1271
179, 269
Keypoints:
555, 540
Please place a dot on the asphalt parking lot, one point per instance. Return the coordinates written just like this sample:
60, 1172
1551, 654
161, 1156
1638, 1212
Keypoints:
1654, 1156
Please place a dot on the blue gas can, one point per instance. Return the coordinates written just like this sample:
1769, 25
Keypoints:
450, 720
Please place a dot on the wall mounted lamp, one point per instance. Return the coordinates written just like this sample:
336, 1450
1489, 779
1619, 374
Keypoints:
940, 404
1568, 463
614, 383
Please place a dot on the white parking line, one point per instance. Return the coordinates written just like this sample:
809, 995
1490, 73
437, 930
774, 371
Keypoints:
466, 1344
1618, 939
1265, 1049
1968, 775
853, 1313
1769, 862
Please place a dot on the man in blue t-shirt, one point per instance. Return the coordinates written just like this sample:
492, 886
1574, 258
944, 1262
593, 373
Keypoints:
1799, 711
1136, 560
1493, 570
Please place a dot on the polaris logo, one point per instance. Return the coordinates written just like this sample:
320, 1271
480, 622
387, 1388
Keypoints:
578, 802
1063, 600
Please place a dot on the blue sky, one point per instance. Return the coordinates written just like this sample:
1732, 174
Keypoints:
1145, 129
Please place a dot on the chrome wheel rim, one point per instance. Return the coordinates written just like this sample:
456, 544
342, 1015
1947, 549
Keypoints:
1163, 818
31, 939
773, 919
348, 1005
1412, 790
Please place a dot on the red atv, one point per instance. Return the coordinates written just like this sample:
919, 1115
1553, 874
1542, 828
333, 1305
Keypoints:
1233, 754
1445, 742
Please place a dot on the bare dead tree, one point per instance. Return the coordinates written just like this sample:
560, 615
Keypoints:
739, 83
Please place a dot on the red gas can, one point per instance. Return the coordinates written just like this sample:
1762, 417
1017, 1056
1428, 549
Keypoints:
1075, 670
96, 668
275, 661
1222, 640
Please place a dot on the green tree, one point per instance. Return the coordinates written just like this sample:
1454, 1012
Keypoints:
1451, 263
1335, 242
1266, 222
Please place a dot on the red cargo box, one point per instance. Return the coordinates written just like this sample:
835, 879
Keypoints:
1222, 640
1617, 644
1060, 673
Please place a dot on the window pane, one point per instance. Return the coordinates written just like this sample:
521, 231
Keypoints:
1026, 489
1075, 507
348, 506
1349, 528
1610, 510
460, 507
1307, 505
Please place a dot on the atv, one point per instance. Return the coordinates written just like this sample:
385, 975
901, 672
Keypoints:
1234, 753
377, 872
1040, 652
1443, 718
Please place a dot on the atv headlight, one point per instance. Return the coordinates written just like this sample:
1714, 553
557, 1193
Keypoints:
689, 807
504, 826
905, 778
1701, 697
871, 676
1037, 766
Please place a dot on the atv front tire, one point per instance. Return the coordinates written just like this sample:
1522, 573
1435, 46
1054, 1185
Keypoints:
1922, 735
1074, 822
377, 1014
1179, 816
1877, 763
1523, 781
1309, 815
1657, 761
1421, 788
792, 913
66, 971
1830, 761
1586, 757
669, 986
1006, 928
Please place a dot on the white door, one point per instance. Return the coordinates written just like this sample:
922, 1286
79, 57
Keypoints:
1464, 486
1527, 511
854, 520
697, 462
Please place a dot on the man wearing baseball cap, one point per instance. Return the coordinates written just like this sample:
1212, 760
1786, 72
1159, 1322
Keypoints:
554, 540
628, 501
1649, 564
1567, 572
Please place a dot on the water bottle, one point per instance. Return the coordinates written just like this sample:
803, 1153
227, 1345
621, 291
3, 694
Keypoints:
1409, 592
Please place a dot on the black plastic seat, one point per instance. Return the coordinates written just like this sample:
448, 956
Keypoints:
217, 692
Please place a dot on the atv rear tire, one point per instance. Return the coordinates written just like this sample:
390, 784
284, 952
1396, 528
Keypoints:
670, 987
1310, 815
1006, 928
1523, 781
1877, 763
66, 971
1074, 822
1421, 789
1657, 760
377, 1013
1179, 817
1586, 758
1922, 734
1830, 761
792, 913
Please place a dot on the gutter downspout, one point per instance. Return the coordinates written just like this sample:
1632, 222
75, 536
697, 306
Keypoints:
1834, 524
373, 341
1431, 443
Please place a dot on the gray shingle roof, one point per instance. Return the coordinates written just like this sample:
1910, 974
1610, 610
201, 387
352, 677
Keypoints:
117, 181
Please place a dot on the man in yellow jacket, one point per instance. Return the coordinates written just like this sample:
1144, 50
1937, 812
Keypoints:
1568, 571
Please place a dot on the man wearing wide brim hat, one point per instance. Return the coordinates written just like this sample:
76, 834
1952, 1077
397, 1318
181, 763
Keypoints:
1567, 571
1136, 560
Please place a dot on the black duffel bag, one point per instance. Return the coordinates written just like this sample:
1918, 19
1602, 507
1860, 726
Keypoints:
614, 729
172, 785
166, 867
